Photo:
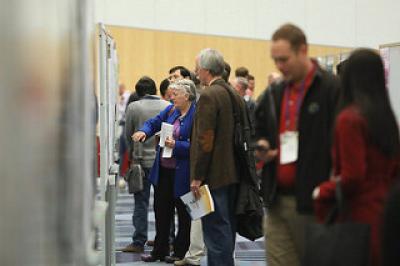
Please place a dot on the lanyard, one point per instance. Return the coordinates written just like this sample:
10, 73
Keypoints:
299, 100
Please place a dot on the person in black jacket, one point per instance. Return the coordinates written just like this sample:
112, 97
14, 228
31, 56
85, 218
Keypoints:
293, 122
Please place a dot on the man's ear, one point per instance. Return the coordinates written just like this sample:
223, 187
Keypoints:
303, 49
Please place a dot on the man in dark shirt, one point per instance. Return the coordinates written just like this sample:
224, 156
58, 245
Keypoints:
294, 119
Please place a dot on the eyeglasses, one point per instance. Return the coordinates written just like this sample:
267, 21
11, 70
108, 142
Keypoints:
261, 148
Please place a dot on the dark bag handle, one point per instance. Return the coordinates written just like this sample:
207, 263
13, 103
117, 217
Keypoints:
339, 209
340, 201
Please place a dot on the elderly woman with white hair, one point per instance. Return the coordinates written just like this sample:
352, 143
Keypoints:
171, 176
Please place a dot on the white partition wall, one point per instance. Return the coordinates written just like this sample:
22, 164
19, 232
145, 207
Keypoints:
108, 81
47, 137
391, 57
348, 23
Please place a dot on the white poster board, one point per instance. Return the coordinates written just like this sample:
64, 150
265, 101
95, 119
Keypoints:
391, 58
108, 80
112, 88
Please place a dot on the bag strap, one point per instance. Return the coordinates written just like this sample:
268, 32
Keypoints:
138, 146
245, 156
340, 201
340, 208
235, 107
236, 110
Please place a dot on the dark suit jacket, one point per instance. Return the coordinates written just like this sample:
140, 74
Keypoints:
211, 152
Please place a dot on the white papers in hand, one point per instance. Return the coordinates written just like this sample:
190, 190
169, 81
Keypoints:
166, 132
167, 152
198, 208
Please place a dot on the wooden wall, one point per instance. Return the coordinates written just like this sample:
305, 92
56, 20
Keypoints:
153, 53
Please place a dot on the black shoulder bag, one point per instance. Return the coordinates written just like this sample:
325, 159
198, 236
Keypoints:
249, 212
344, 243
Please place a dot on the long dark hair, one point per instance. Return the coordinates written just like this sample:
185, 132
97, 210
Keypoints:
363, 84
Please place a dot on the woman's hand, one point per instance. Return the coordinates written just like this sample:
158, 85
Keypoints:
139, 136
315, 193
170, 142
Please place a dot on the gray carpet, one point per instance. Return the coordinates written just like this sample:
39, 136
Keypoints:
247, 253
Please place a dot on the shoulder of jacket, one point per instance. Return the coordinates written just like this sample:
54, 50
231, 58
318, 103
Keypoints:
138, 105
215, 87
325, 76
211, 92
132, 106
277, 86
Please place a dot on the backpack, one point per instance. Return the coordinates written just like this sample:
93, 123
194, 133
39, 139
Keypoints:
249, 206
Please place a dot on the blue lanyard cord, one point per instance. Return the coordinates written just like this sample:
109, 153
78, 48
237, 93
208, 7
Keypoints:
299, 101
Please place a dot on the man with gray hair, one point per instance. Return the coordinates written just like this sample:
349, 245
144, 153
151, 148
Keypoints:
212, 157
240, 84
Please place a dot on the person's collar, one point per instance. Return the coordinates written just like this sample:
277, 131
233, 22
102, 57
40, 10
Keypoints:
182, 115
213, 80
152, 97
311, 68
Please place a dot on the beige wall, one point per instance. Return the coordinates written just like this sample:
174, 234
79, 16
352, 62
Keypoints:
153, 53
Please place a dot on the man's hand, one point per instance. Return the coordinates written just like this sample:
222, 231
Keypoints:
195, 188
264, 152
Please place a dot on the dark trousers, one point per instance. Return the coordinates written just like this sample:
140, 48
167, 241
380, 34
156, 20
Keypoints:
164, 207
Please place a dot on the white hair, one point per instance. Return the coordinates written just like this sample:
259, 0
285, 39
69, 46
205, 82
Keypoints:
187, 86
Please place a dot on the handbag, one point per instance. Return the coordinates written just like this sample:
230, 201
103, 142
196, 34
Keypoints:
249, 215
344, 243
134, 177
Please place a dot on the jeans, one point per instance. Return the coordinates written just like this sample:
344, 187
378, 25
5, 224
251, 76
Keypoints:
140, 212
219, 227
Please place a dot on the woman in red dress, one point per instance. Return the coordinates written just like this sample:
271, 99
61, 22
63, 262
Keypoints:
366, 151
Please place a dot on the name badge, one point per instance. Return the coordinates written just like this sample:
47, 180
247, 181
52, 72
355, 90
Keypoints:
289, 147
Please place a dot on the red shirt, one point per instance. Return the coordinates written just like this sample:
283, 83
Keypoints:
290, 110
